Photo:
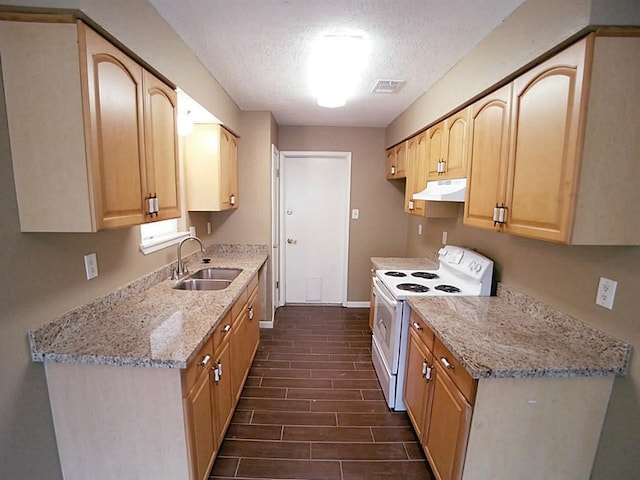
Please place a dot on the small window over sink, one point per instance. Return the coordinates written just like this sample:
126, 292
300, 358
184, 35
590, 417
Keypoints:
158, 235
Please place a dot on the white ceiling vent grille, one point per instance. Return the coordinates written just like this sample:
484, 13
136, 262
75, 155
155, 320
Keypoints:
388, 86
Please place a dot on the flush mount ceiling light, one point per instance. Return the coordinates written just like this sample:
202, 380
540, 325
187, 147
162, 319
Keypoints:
336, 64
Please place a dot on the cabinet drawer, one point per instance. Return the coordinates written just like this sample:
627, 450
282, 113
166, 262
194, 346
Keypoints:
222, 332
424, 332
201, 362
455, 371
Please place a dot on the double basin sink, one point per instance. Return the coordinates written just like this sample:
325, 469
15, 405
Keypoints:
209, 278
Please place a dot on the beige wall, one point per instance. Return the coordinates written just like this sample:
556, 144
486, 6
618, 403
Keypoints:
375, 233
564, 277
42, 275
251, 222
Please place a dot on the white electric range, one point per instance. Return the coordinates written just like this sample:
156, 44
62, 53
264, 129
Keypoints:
461, 272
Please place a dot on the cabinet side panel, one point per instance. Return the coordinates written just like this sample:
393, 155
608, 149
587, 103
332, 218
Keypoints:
547, 427
202, 168
611, 158
118, 422
41, 72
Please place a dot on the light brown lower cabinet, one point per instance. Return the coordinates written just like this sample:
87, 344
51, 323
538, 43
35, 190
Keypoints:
199, 414
500, 428
221, 369
223, 401
437, 408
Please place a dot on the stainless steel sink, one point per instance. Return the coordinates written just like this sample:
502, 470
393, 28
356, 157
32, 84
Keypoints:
210, 278
200, 284
213, 273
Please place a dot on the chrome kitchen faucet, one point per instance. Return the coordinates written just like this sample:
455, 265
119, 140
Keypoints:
182, 269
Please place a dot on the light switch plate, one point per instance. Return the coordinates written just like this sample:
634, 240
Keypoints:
91, 265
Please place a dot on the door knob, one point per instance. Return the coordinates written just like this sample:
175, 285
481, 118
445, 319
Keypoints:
291, 241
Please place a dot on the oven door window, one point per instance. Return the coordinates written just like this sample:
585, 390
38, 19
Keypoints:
386, 325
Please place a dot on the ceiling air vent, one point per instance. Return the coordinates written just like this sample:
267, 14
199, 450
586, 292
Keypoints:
387, 86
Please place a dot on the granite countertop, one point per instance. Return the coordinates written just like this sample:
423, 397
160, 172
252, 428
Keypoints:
513, 335
147, 323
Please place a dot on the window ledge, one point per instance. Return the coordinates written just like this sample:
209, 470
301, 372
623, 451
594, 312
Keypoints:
155, 244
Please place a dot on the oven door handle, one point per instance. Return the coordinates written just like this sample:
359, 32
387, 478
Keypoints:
382, 291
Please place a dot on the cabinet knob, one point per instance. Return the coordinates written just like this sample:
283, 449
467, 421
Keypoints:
417, 326
226, 328
251, 313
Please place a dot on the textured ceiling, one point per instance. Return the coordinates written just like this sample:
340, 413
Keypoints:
258, 49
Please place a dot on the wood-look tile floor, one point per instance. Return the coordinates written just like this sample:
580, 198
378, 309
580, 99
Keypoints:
312, 407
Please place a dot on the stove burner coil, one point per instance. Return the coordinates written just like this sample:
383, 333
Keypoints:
448, 288
395, 274
413, 287
425, 275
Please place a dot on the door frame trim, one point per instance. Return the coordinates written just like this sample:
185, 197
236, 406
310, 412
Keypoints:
346, 156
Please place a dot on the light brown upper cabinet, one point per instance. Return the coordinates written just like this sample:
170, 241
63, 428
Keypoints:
572, 149
211, 166
161, 146
417, 149
93, 137
489, 156
447, 143
415, 174
397, 161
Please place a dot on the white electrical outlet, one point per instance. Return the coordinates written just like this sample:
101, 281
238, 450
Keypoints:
606, 292
355, 214
419, 229
91, 265
208, 228
444, 238
192, 231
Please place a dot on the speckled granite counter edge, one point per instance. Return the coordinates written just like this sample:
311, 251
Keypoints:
544, 313
103, 304
530, 306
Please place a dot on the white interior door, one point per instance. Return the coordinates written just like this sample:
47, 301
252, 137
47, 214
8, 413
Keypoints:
315, 225
277, 299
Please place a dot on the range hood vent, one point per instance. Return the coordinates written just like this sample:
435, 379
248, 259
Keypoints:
452, 190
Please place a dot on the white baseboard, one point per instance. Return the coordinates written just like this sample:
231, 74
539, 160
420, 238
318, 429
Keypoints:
266, 324
358, 304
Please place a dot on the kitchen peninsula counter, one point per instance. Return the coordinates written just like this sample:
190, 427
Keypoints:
148, 323
493, 338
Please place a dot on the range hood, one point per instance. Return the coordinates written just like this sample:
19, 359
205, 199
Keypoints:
452, 190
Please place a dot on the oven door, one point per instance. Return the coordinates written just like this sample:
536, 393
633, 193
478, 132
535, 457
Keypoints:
386, 325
